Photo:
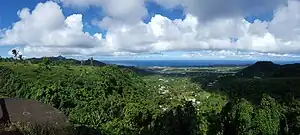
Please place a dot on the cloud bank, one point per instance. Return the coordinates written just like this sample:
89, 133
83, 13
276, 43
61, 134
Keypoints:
212, 25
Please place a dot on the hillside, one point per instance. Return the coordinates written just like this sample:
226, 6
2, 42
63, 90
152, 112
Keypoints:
289, 70
269, 69
63, 60
262, 68
97, 99
76, 90
116, 100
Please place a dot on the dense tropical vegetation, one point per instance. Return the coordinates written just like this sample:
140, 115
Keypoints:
113, 100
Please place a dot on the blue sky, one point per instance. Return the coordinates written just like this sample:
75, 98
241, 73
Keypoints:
9, 9
160, 17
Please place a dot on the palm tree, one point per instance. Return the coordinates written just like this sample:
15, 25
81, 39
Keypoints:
15, 53
20, 57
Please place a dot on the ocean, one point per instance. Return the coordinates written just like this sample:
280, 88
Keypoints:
186, 63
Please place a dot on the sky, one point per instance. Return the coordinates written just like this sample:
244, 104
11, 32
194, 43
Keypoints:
152, 29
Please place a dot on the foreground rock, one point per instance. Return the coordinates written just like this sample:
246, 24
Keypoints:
15, 110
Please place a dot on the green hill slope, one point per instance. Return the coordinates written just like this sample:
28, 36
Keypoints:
88, 95
110, 100
62, 60
263, 68
269, 69
105, 99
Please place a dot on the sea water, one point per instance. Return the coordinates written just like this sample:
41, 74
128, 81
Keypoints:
186, 63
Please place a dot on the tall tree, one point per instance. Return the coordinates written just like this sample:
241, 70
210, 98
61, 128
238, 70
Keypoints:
267, 116
20, 57
181, 120
15, 53
46, 61
92, 61
236, 118
293, 117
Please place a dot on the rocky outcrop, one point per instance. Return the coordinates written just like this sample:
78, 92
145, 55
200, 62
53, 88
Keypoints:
15, 110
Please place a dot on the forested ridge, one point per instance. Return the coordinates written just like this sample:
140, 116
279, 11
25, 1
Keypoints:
109, 100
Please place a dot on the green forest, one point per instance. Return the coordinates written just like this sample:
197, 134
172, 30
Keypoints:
101, 99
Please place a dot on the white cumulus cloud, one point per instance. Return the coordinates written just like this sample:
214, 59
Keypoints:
207, 26
46, 29
162, 34
212, 9
128, 11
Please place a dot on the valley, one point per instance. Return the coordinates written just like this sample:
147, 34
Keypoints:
113, 100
